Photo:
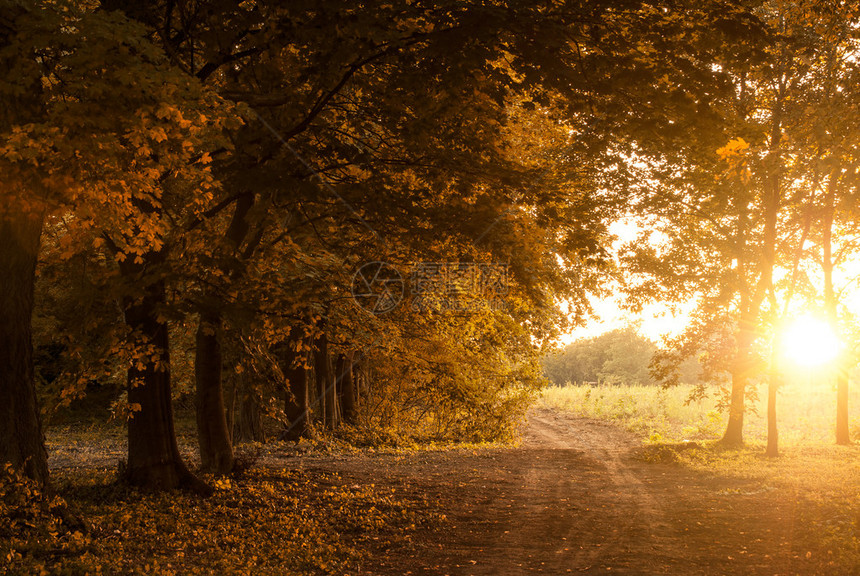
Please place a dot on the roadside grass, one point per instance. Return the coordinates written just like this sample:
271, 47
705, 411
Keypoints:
823, 479
806, 413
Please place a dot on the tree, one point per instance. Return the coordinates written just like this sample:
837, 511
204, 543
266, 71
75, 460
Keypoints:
830, 132
727, 237
23, 443
346, 386
295, 366
21, 219
423, 124
409, 133
360, 124
110, 171
620, 356
216, 450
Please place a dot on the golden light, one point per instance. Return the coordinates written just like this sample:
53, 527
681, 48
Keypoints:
810, 341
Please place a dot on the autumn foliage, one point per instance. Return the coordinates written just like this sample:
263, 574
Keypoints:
192, 193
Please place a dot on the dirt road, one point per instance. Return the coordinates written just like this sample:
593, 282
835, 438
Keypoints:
574, 499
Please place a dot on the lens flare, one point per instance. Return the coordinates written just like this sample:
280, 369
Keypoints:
809, 341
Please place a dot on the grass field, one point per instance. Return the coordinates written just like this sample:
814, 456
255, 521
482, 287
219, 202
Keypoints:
806, 412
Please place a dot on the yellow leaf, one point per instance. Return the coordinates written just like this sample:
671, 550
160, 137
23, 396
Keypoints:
733, 148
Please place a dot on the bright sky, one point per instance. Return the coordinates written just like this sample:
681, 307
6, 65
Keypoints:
655, 321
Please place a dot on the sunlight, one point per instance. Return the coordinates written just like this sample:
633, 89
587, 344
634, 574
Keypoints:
810, 341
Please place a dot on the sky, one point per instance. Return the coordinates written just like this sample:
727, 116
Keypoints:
657, 321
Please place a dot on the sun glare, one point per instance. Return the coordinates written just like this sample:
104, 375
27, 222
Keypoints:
809, 341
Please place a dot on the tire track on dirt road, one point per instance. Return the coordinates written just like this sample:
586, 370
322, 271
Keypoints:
640, 524
565, 502
605, 444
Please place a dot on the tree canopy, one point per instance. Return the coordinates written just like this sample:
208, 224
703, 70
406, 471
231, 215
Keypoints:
194, 191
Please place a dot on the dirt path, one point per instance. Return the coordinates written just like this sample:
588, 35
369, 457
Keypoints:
574, 506
573, 499
632, 518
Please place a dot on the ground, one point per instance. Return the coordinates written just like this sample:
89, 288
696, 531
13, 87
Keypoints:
578, 495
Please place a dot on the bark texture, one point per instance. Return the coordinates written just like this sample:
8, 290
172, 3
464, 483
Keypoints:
734, 434
23, 444
346, 387
297, 407
216, 450
154, 461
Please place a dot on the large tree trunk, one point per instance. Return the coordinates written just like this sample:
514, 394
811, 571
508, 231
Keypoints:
154, 461
214, 438
23, 444
771, 217
734, 434
346, 387
216, 450
297, 407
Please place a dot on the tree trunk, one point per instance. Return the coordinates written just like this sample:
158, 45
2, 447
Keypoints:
297, 407
346, 386
325, 382
249, 425
772, 430
319, 404
843, 435
23, 444
216, 450
772, 204
231, 410
357, 381
154, 461
249, 420
734, 435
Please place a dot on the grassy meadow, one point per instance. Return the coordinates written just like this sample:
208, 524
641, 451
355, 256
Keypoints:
806, 411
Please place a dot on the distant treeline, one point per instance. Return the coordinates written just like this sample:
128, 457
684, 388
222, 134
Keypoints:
621, 356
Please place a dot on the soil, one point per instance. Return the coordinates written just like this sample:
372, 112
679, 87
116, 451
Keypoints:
575, 498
